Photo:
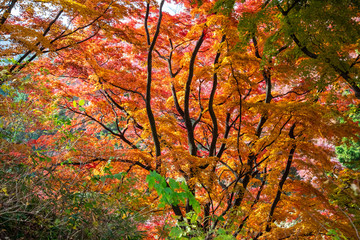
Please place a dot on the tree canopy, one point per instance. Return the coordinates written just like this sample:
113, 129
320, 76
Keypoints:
226, 113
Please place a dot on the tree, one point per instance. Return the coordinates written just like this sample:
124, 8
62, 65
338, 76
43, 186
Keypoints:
232, 98
29, 29
41, 199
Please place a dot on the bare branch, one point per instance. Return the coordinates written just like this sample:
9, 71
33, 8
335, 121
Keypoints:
188, 124
212, 151
148, 87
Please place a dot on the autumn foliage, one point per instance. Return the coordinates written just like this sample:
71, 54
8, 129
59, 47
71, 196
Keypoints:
212, 119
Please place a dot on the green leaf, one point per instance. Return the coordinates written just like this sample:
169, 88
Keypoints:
74, 103
119, 176
103, 178
169, 193
184, 186
161, 205
82, 102
194, 204
176, 232
151, 181
173, 184
221, 231
223, 235
194, 218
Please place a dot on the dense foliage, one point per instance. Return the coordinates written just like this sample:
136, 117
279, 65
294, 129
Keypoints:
180, 119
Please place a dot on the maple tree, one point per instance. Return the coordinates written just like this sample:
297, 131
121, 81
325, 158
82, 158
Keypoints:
40, 200
229, 110
29, 29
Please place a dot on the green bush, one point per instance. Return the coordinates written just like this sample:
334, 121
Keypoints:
35, 204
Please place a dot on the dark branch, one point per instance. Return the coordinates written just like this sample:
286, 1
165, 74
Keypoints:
7, 12
148, 88
188, 124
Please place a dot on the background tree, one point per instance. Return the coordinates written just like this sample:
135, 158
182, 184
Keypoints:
29, 29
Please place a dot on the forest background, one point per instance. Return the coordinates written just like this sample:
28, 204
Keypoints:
220, 120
